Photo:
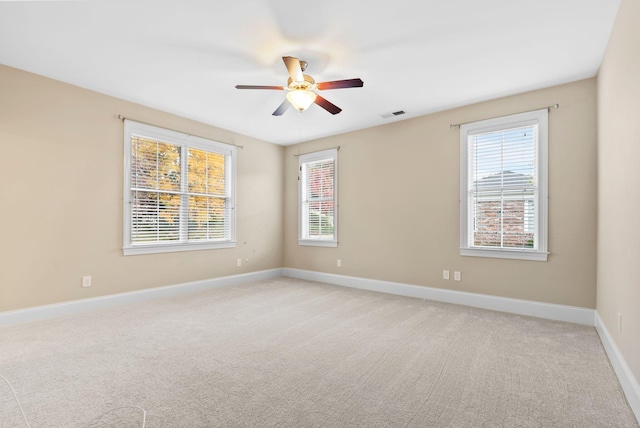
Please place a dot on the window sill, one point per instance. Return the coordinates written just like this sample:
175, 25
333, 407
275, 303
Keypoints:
173, 248
539, 256
311, 243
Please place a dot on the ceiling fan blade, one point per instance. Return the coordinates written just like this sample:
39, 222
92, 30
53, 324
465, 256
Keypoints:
259, 87
293, 65
338, 84
282, 108
328, 106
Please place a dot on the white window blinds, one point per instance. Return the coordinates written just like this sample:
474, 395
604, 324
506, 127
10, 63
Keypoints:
155, 191
179, 191
318, 198
503, 187
208, 196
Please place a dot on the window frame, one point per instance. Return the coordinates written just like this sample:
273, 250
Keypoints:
309, 158
539, 117
184, 141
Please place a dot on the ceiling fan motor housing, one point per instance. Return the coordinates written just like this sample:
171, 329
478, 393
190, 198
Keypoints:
307, 84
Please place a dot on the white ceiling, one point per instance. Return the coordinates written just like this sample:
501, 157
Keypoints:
185, 57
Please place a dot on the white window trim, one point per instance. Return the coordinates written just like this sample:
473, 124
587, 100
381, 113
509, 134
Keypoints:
175, 137
540, 254
310, 157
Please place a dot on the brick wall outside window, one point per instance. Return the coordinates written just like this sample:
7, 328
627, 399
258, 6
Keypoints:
489, 217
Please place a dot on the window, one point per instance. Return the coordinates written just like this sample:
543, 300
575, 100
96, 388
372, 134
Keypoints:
318, 198
179, 191
503, 187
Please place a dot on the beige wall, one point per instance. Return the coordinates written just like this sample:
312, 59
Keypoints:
62, 198
61, 188
619, 184
399, 203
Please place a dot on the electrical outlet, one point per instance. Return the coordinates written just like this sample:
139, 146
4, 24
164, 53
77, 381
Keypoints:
239, 262
339, 263
86, 281
445, 274
457, 276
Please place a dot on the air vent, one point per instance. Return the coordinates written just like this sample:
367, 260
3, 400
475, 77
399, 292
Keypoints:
395, 113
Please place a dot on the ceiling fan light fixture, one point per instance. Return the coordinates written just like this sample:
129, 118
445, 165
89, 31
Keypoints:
301, 99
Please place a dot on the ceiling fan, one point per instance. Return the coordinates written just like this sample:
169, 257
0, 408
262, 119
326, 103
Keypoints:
300, 88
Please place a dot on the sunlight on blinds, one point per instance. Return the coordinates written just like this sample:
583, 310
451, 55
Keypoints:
155, 198
159, 200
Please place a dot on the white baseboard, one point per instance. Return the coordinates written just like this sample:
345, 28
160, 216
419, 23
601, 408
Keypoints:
84, 305
516, 306
627, 380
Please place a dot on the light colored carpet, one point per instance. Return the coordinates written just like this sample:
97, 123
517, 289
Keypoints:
292, 353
